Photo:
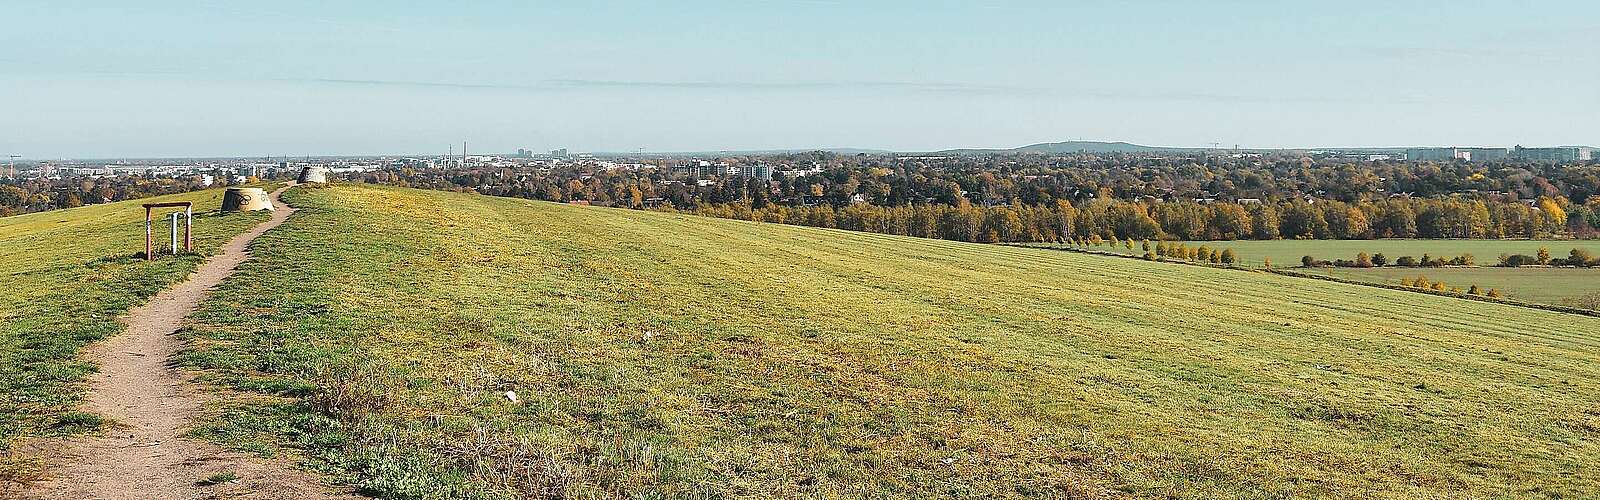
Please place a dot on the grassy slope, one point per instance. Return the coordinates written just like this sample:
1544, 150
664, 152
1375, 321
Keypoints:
67, 275
671, 355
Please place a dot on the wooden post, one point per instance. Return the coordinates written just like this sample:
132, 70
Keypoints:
188, 229
149, 239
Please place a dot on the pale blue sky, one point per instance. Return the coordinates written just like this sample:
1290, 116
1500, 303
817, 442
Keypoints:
90, 79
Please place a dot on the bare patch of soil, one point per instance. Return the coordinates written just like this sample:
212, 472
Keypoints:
145, 454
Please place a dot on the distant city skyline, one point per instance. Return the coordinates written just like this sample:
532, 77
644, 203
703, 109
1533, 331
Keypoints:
101, 79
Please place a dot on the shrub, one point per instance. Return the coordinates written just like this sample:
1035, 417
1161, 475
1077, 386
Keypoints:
1580, 258
1378, 259
1229, 257
1145, 246
1473, 290
1517, 260
1148, 255
1406, 261
1439, 286
1363, 260
1494, 293
1589, 301
1544, 256
1307, 261
1266, 262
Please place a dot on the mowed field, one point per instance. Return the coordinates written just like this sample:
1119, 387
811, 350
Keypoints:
66, 275
658, 355
1542, 285
1285, 253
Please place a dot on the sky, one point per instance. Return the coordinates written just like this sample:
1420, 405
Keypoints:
162, 78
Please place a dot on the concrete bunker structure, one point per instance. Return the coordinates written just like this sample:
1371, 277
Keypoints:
314, 174
245, 199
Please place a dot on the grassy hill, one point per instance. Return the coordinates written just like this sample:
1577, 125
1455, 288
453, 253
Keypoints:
666, 355
66, 276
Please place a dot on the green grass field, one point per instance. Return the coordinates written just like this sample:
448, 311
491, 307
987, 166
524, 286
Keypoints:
66, 276
1286, 253
659, 355
1542, 285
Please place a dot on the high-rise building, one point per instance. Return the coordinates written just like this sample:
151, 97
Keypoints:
1438, 154
1457, 153
1567, 153
1486, 154
761, 171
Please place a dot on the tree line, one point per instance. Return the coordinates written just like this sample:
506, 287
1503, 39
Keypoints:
20, 196
1577, 257
1190, 197
1113, 219
1029, 179
1422, 282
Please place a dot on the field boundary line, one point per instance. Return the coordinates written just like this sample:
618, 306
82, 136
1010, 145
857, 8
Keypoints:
1295, 274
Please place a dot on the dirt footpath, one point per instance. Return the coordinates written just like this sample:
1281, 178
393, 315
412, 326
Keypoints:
145, 455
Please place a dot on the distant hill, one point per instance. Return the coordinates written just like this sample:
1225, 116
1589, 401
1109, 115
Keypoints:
743, 152
1072, 147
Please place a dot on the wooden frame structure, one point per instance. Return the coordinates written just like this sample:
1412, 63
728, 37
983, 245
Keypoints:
188, 227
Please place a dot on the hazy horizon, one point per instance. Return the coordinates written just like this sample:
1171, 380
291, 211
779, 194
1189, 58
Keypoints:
200, 79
